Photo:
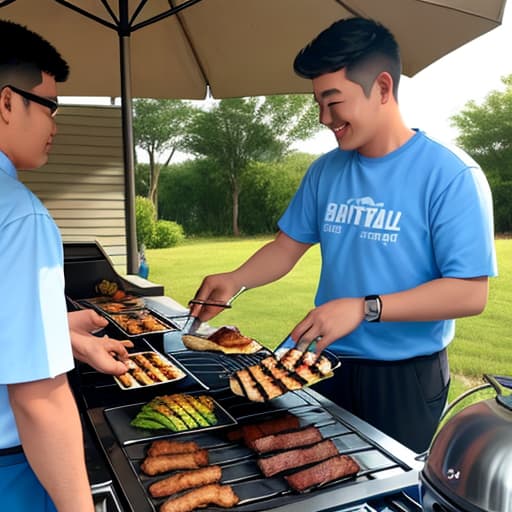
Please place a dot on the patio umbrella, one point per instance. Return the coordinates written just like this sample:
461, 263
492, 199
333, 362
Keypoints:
228, 48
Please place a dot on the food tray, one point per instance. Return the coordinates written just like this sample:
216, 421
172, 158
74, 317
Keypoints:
109, 305
119, 419
167, 364
118, 318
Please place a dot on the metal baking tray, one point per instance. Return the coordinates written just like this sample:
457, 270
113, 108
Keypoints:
239, 463
109, 305
165, 360
114, 318
119, 419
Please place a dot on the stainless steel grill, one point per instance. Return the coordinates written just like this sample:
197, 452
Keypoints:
387, 467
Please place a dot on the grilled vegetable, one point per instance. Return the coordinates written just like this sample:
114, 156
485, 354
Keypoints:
146, 423
177, 412
105, 287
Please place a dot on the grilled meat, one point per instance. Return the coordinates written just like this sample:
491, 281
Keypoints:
138, 373
287, 440
149, 368
331, 469
267, 386
249, 433
291, 358
272, 367
229, 336
185, 480
156, 465
296, 458
243, 382
171, 372
213, 494
168, 447
272, 377
126, 380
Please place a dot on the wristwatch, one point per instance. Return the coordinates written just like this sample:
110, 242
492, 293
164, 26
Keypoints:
372, 308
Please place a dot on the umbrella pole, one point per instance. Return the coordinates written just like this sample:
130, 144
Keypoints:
128, 155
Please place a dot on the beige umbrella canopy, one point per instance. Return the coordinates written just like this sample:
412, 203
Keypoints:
237, 47
183, 48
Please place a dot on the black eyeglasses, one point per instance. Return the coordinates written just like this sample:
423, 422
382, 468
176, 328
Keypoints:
46, 102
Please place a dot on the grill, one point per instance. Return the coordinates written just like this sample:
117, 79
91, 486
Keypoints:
387, 467
87, 263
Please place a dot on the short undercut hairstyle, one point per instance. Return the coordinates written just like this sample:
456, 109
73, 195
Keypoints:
24, 55
364, 47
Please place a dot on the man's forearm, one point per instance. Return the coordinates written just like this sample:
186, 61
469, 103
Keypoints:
271, 262
51, 435
441, 299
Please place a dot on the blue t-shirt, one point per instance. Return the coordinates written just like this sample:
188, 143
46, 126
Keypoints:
34, 337
389, 224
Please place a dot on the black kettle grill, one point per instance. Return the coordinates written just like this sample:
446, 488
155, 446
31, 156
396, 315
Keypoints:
469, 466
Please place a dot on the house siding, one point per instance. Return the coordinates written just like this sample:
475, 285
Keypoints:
83, 183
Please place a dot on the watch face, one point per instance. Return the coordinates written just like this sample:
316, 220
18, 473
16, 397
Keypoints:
371, 309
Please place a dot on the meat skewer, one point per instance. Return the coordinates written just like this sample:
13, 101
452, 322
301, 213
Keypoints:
168, 447
274, 442
155, 465
185, 480
213, 494
270, 466
331, 469
256, 430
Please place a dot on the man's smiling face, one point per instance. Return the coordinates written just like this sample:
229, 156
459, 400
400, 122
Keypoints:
346, 110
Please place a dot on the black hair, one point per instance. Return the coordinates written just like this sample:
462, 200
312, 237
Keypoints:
362, 46
25, 53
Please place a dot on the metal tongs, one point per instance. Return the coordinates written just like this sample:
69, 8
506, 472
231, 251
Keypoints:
302, 345
193, 323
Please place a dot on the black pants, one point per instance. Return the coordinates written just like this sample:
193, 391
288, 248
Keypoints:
403, 399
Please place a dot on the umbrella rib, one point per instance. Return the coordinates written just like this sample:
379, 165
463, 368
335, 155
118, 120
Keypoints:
351, 10
165, 14
190, 44
462, 11
87, 14
110, 11
136, 12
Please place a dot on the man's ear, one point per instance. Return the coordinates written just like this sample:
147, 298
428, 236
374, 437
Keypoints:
5, 104
385, 85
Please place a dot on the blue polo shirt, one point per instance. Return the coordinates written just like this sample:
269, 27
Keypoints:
34, 335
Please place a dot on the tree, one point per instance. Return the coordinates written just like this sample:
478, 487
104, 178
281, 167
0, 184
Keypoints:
486, 131
486, 134
159, 126
238, 132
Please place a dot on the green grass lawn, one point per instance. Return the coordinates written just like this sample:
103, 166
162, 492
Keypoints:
482, 345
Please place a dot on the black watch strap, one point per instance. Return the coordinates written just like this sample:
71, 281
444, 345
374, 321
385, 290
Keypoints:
372, 308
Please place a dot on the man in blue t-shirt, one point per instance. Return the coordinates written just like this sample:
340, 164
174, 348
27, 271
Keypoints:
42, 463
405, 227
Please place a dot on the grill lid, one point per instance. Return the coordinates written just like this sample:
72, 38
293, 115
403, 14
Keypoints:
470, 460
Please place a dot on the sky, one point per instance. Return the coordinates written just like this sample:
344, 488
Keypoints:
433, 95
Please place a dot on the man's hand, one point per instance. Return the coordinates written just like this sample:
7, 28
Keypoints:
104, 354
214, 288
86, 321
329, 322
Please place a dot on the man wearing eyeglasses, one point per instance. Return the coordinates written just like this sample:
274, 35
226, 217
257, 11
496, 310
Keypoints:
42, 464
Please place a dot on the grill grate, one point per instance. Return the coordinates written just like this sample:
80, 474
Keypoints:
238, 462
